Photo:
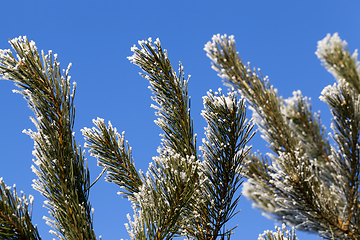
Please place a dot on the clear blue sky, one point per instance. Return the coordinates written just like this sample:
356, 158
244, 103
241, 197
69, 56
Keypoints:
280, 37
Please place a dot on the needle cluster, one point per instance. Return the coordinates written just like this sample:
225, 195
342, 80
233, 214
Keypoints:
305, 181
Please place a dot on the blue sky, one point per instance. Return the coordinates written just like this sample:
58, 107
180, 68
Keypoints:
279, 37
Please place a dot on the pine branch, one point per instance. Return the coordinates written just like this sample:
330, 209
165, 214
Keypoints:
307, 126
63, 178
280, 234
170, 93
114, 154
224, 152
261, 96
302, 173
164, 198
343, 100
336, 58
15, 218
169, 186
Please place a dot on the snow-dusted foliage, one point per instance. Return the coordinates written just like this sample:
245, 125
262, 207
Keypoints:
182, 193
17, 209
336, 58
280, 234
63, 178
304, 182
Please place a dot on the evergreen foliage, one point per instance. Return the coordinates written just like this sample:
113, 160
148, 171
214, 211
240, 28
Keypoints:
280, 234
63, 177
305, 182
15, 216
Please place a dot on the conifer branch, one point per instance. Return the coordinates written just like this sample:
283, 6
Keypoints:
336, 58
224, 151
170, 93
344, 104
201, 221
280, 234
15, 217
114, 154
168, 189
304, 170
307, 126
172, 180
63, 177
